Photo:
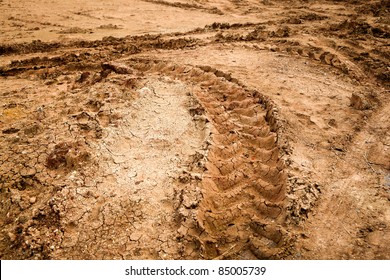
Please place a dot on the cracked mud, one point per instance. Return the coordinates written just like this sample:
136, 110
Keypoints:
237, 130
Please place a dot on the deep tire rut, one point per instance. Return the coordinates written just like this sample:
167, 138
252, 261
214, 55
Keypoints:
243, 186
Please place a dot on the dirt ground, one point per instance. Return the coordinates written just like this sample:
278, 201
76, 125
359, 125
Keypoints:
195, 129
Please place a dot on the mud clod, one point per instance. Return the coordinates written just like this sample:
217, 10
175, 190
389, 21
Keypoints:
360, 102
69, 155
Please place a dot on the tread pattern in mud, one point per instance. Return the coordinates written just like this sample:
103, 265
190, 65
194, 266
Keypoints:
241, 211
243, 186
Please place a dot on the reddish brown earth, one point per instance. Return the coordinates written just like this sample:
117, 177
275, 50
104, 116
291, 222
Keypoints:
194, 129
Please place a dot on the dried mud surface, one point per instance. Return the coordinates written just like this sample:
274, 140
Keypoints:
234, 130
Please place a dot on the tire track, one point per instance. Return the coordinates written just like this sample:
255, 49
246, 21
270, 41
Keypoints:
242, 211
186, 6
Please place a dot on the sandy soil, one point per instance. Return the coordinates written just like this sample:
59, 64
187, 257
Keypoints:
204, 129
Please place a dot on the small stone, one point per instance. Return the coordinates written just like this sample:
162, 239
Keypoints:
33, 200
